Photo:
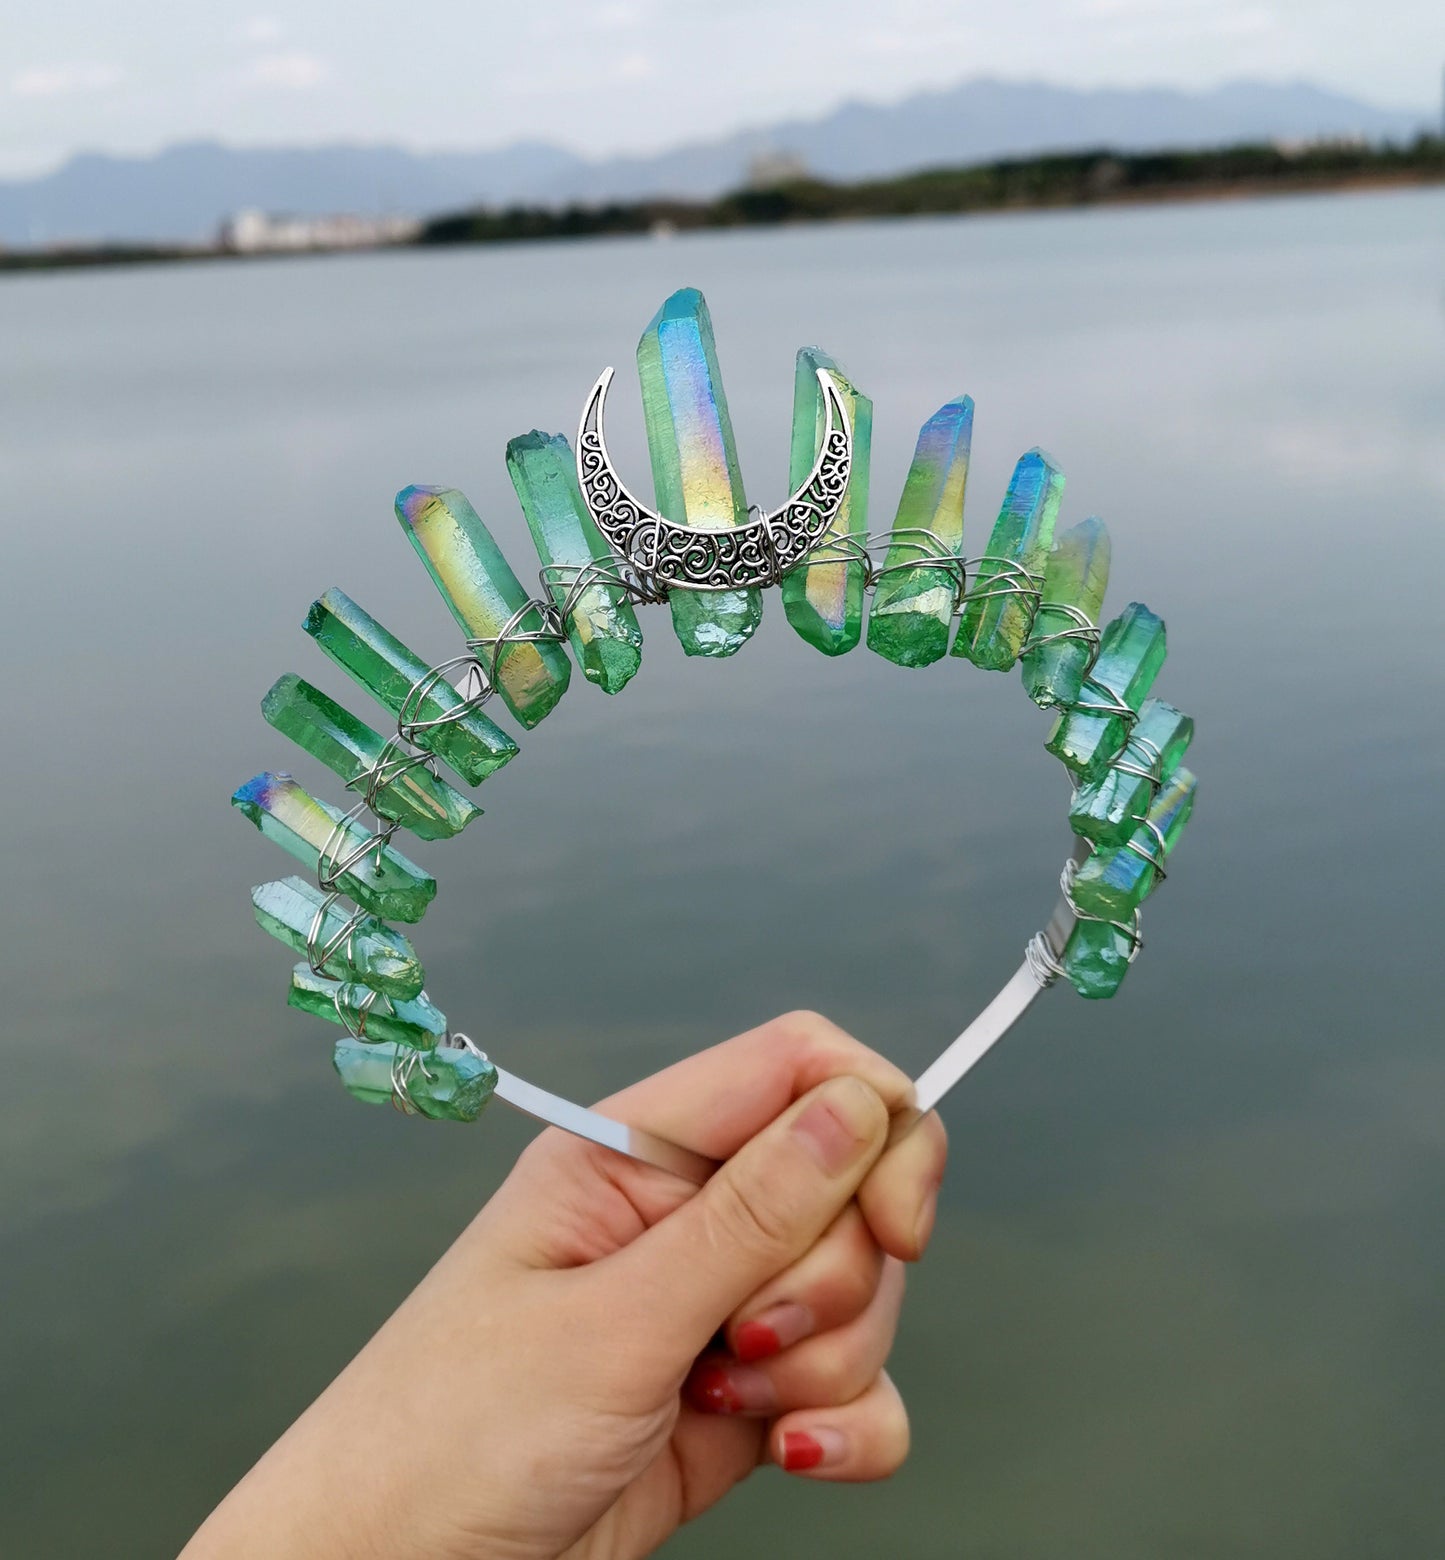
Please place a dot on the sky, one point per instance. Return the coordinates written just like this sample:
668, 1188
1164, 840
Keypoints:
609, 76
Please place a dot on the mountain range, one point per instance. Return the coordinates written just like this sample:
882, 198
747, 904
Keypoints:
183, 192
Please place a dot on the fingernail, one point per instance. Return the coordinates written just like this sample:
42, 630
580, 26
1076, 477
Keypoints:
717, 1387
840, 1123
820, 1448
771, 1331
927, 1214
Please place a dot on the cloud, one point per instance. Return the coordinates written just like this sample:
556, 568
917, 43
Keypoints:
259, 29
635, 67
616, 17
1227, 20
292, 71
59, 80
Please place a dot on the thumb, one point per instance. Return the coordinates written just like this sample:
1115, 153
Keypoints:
758, 1214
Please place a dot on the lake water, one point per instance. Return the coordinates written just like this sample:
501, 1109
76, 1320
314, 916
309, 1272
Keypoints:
1186, 1294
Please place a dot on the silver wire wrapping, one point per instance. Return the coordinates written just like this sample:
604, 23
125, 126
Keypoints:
1042, 958
474, 677
1009, 578
1081, 627
408, 1061
1111, 703
358, 1029
1153, 858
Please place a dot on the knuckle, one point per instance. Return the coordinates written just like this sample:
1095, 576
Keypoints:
820, 1048
803, 1029
835, 1376
739, 1213
855, 1275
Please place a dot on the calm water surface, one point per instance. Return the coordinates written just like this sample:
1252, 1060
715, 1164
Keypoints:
1185, 1298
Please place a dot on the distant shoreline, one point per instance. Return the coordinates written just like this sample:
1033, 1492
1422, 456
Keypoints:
1066, 182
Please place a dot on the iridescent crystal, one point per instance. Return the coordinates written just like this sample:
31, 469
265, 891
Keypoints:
485, 597
1096, 958
450, 1083
1113, 882
913, 603
440, 720
1089, 736
695, 462
403, 790
601, 624
369, 951
1075, 578
824, 601
1108, 810
999, 610
361, 1008
382, 881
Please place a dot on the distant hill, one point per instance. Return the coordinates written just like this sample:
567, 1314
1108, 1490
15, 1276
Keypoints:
183, 192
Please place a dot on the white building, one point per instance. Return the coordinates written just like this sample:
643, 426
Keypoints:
258, 232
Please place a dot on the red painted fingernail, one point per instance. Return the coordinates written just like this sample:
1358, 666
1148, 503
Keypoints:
756, 1341
823, 1448
777, 1328
716, 1387
710, 1389
801, 1451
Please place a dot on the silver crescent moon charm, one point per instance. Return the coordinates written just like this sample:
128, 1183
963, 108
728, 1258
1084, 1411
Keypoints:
758, 552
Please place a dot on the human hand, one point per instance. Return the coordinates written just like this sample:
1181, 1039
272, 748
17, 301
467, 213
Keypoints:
606, 1350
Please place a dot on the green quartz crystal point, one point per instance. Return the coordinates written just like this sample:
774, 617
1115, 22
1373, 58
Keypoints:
382, 881
450, 1083
601, 624
1114, 881
407, 793
379, 1019
440, 720
484, 595
371, 952
824, 601
999, 613
1089, 736
1108, 810
1096, 958
1075, 576
913, 603
695, 462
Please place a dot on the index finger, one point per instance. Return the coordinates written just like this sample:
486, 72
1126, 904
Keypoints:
716, 1101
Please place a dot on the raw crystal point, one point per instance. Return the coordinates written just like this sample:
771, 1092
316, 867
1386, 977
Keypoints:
450, 1083
412, 796
1075, 576
442, 721
1108, 810
1096, 958
695, 462
1000, 609
373, 953
824, 601
1130, 654
601, 623
415, 1023
484, 595
913, 603
383, 882
1114, 881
